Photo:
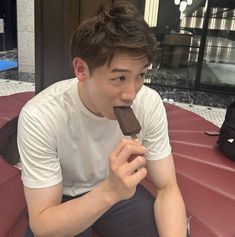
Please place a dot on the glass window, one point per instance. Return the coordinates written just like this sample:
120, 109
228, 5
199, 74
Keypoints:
190, 53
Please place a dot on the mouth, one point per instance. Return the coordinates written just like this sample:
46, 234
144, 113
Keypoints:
122, 106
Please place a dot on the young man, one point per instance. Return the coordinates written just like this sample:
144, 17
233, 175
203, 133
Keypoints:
75, 166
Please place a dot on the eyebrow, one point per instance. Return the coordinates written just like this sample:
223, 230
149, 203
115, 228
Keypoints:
126, 70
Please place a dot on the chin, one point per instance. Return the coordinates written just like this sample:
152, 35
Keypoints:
110, 116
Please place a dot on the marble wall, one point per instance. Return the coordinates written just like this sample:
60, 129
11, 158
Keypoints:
25, 34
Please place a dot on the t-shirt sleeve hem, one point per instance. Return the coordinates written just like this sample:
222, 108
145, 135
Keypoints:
41, 183
159, 156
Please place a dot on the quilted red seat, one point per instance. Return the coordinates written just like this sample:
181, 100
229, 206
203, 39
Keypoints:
10, 107
206, 178
12, 202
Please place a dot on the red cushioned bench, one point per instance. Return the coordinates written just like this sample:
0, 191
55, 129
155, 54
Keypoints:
13, 209
12, 202
206, 178
10, 107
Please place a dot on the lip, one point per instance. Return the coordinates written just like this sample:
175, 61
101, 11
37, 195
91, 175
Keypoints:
122, 105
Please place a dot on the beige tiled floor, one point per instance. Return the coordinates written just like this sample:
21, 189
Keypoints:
8, 87
214, 115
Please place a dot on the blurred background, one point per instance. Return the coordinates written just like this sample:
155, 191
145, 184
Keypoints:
194, 64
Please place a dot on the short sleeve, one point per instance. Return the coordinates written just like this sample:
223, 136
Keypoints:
156, 137
37, 147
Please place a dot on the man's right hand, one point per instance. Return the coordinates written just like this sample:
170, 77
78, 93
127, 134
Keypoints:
73, 217
125, 174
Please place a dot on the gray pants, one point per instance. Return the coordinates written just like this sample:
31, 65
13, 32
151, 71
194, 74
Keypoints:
128, 218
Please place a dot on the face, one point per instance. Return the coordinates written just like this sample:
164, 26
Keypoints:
112, 85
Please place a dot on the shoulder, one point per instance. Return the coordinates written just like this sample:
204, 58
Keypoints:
151, 113
147, 95
147, 91
47, 109
50, 99
147, 100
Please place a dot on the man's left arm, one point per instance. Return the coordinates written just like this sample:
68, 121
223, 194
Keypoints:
169, 208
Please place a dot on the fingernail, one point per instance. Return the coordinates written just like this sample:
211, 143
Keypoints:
145, 149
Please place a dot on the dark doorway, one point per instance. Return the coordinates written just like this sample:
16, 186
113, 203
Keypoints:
8, 38
55, 21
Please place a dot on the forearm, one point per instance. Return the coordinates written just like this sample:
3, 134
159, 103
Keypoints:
170, 214
72, 217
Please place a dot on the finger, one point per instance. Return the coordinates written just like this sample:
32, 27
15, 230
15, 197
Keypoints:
138, 176
128, 151
137, 163
119, 147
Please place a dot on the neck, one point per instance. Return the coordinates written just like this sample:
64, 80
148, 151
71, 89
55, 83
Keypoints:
85, 98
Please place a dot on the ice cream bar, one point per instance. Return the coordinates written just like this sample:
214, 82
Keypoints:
128, 123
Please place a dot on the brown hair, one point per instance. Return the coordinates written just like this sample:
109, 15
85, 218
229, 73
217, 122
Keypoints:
118, 29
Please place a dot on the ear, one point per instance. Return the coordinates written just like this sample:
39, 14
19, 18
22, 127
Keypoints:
80, 69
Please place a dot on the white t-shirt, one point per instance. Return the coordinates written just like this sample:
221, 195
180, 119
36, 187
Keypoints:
60, 140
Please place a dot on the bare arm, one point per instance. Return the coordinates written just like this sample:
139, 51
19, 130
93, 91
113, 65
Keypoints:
48, 217
169, 207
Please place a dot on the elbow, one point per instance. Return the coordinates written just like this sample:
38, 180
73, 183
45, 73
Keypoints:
41, 230
37, 230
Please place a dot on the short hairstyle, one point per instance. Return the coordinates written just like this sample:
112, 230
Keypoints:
119, 28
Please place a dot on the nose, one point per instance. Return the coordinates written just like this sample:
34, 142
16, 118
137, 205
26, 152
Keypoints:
129, 92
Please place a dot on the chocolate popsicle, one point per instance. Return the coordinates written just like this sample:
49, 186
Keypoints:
127, 120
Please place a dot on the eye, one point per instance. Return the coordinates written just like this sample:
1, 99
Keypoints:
122, 78
142, 76
118, 79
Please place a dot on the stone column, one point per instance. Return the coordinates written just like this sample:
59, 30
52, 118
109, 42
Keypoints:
25, 35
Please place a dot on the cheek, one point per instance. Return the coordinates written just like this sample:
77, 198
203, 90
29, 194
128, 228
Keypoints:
104, 102
107, 91
139, 86
104, 95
